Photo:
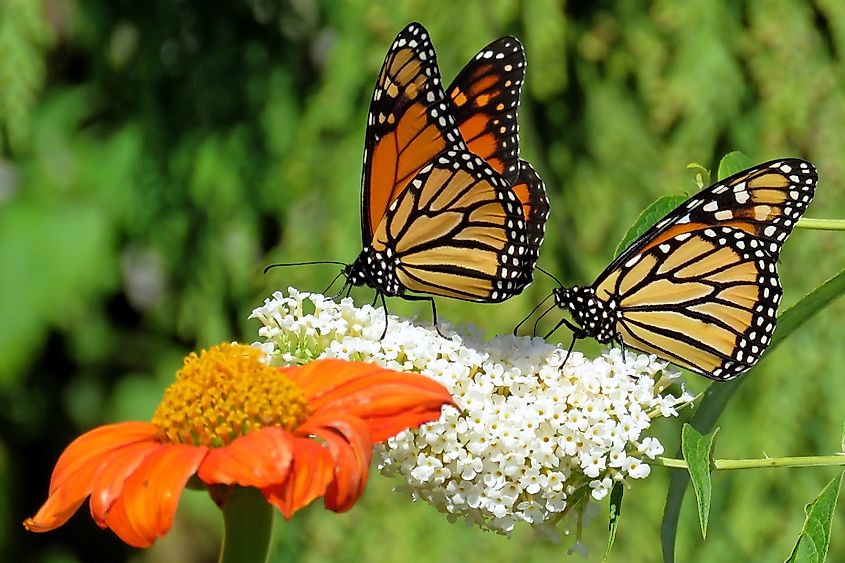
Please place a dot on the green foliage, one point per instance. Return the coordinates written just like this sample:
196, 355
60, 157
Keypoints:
24, 37
813, 543
718, 395
698, 453
648, 218
732, 163
615, 513
170, 151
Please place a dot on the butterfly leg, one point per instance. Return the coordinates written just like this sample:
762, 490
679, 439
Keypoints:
569, 350
325, 291
576, 331
618, 340
346, 286
433, 309
379, 294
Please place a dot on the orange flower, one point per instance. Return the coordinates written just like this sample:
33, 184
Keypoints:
294, 433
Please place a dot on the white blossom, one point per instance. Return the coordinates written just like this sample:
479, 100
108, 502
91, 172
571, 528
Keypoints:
531, 437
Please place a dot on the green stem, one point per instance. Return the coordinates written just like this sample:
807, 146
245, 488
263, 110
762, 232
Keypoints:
727, 464
821, 224
247, 527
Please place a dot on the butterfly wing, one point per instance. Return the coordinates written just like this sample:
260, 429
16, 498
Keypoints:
409, 124
457, 231
764, 201
484, 100
701, 288
531, 193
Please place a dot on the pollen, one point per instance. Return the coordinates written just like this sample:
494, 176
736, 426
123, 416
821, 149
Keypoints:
226, 392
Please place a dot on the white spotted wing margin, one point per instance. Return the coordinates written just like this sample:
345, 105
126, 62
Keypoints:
409, 123
457, 231
768, 198
701, 288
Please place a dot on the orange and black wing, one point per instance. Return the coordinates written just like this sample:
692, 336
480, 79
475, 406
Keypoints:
701, 288
484, 100
409, 123
457, 231
531, 193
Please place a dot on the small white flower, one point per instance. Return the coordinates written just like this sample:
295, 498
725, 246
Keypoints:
650, 447
527, 436
600, 488
636, 468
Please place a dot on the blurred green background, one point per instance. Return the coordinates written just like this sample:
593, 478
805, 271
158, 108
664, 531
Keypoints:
155, 156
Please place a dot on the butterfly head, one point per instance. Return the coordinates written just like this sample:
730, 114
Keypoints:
596, 317
374, 269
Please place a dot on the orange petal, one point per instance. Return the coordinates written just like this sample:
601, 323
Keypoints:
145, 509
389, 401
108, 484
370, 392
60, 505
310, 474
259, 459
98, 441
347, 438
76, 473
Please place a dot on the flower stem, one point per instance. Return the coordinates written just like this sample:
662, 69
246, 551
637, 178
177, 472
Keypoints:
727, 464
821, 224
247, 527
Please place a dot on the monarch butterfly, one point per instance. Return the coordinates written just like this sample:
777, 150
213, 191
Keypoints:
700, 289
447, 207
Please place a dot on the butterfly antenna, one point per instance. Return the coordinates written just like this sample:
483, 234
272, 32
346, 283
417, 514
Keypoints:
286, 264
550, 275
540, 318
534, 310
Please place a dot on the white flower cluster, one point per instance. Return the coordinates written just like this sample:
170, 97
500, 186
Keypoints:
528, 442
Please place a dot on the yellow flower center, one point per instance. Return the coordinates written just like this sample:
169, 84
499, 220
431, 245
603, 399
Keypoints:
226, 392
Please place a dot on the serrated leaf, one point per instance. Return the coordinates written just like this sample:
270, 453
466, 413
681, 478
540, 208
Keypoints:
697, 450
814, 539
615, 513
648, 218
732, 163
718, 394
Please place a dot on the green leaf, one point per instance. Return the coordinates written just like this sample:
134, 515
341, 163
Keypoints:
718, 394
732, 163
648, 218
814, 540
62, 257
697, 449
615, 513
702, 176
808, 307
